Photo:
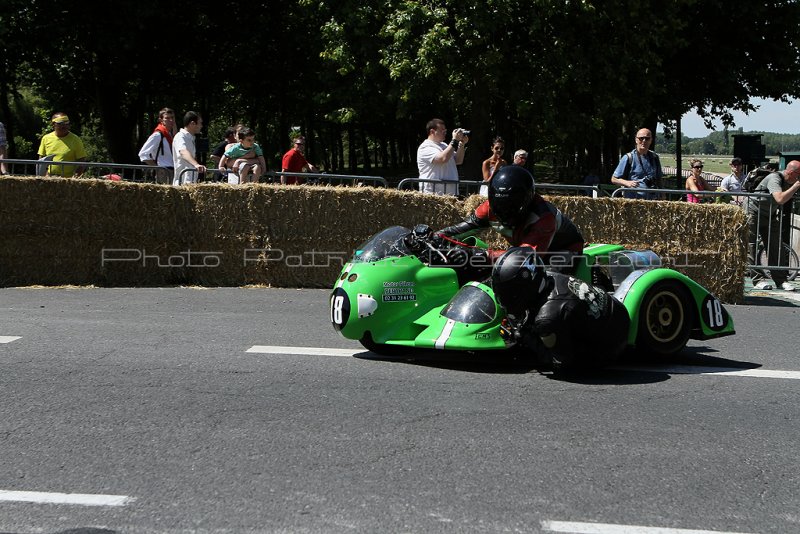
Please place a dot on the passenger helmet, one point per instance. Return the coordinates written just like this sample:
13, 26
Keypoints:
518, 280
511, 192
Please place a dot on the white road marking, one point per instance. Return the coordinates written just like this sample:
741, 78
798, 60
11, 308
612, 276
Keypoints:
670, 369
64, 498
573, 527
716, 371
305, 351
9, 339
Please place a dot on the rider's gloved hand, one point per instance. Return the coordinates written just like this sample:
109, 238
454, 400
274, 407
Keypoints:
457, 257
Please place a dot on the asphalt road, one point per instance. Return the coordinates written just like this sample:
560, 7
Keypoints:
147, 401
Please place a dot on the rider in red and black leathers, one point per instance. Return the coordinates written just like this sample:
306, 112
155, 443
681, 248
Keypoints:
522, 216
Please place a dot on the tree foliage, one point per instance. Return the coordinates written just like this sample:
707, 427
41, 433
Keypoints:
570, 81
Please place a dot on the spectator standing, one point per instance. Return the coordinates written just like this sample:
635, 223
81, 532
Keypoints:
696, 182
3, 147
639, 169
768, 218
62, 145
157, 148
247, 156
521, 157
294, 160
437, 160
184, 150
492, 164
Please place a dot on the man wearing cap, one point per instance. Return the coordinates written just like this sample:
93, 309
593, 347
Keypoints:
521, 157
62, 145
733, 182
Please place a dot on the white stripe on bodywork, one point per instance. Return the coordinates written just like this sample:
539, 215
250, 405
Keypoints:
445, 335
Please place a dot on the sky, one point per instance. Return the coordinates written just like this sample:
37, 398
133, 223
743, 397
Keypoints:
771, 116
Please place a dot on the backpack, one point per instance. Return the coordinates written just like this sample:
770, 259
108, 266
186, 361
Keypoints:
755, 177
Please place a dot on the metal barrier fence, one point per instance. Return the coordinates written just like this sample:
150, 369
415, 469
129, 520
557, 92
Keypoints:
127, 172
774, 230
713, 180
468, 187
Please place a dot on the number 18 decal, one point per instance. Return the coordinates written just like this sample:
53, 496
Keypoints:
340, 308
715, 316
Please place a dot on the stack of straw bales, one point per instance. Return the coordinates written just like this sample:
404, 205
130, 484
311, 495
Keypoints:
64, 231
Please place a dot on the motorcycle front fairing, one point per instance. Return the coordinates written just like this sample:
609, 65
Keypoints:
385, 298
385, 288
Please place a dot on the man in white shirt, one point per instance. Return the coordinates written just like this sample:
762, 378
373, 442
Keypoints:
184, 150
437, 160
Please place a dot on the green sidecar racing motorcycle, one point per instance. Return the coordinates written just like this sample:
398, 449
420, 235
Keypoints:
401, 291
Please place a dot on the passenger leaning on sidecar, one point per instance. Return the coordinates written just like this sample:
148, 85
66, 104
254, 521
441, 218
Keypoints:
523, 217
566, 322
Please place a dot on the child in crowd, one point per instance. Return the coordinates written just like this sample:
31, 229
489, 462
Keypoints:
246, 155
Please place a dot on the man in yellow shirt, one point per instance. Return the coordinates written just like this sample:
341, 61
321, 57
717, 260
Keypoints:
63, 145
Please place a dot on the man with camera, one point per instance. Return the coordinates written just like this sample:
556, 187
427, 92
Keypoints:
437, 160
640, 169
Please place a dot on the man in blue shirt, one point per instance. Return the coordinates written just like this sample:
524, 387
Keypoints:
640, 168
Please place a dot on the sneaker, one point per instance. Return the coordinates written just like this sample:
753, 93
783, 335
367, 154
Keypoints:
764, 285
786, 286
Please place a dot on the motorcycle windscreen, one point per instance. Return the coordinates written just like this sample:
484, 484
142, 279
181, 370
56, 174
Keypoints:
388, 243
471, 305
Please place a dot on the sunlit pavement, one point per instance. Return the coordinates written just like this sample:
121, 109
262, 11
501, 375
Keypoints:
750, 293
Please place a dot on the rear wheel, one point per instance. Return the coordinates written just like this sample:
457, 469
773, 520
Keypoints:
665, 319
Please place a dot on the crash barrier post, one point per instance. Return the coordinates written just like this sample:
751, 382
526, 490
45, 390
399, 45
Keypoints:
127, 172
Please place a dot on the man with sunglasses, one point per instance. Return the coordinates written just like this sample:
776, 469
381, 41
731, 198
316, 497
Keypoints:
62, 145
640, 169
295, 161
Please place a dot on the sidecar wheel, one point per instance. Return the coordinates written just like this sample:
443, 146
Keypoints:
665, 319
380, 348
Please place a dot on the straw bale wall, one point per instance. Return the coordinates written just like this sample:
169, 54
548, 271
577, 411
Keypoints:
94, 232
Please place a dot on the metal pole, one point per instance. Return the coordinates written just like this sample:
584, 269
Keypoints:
678, 169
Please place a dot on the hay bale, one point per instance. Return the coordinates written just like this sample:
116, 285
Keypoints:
56, 231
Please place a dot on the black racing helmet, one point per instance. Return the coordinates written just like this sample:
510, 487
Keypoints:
518, 280
511, 191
